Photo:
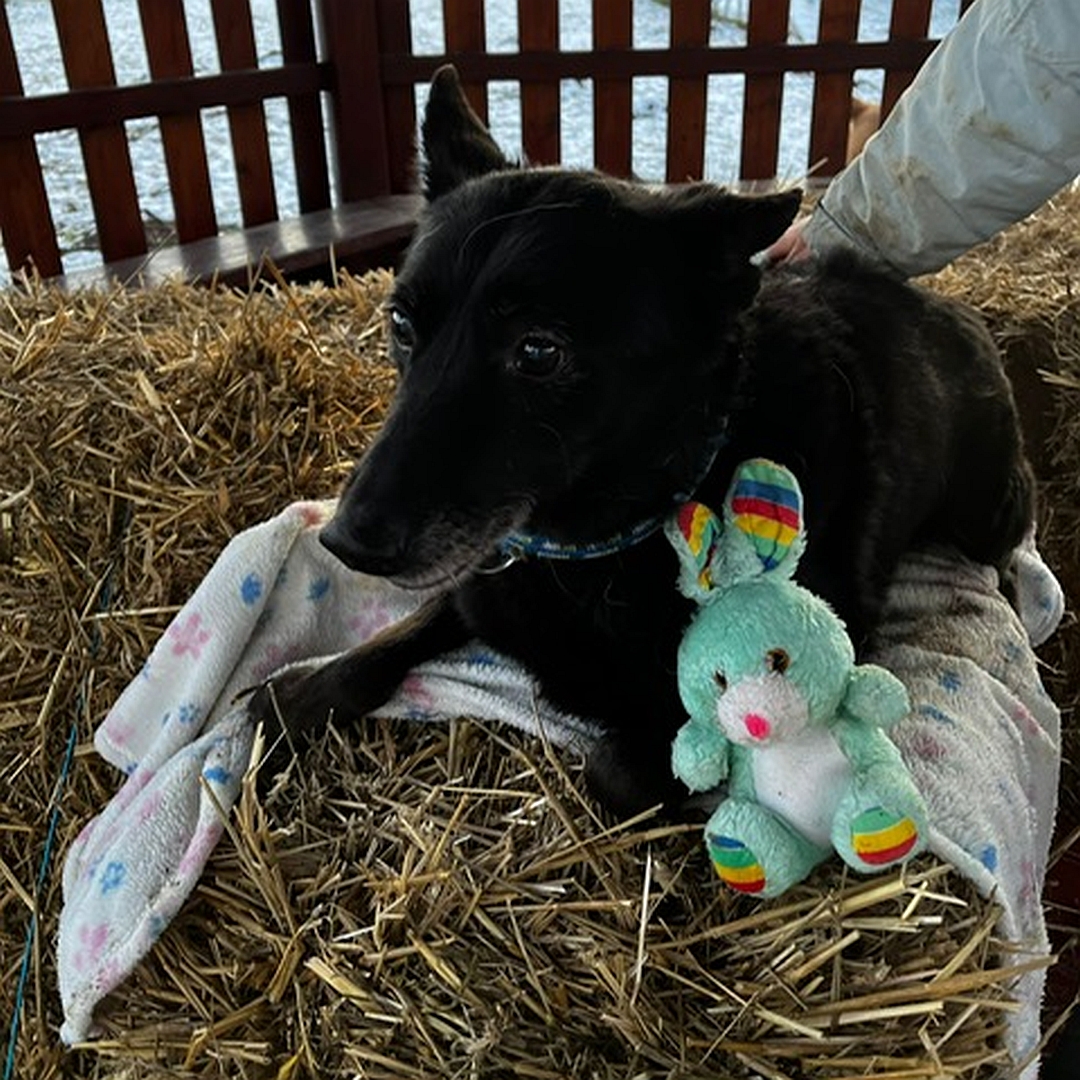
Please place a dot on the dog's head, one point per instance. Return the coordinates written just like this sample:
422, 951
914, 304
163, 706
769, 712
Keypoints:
568, 349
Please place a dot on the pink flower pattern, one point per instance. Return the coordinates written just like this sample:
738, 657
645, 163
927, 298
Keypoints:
189, 636
415, 688
369, 621
275, 657
198, 851
1023, 718
922, 744
150, 807
311, 514
92, 939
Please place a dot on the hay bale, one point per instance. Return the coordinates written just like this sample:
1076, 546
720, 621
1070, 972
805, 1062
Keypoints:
419, 900
441, 901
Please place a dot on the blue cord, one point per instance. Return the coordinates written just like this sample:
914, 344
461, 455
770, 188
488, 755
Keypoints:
104, 602
42, 874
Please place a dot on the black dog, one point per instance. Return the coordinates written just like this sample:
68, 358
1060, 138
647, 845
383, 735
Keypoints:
579, 354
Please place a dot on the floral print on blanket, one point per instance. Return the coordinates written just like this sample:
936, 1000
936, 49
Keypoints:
180, 733
275, 596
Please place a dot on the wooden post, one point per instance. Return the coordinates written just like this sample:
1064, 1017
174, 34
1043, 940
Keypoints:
909, 21
395, 37
305, 111
764, 94
691, 22
84, 42
463, 21
247, 123
25, 219
538, 29
612, 98
832, 92
350, 43
169, 54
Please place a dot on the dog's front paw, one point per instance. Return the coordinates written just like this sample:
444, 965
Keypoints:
290, 708
629, 778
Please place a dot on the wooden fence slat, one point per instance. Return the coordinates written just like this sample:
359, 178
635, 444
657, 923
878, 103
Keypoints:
25, 218
612, 97
463, 22
690, 24
247, 123
768, 25
364, 61
305, 110
538, 28
28, 116
832, 92
350, 39
169, 54
395, 34
615, 62
909, 21
84, 43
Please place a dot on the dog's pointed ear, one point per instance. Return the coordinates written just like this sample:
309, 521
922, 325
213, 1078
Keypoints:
762, 219
727, 229
456, 144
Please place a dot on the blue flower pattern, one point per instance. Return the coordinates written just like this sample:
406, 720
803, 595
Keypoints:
950, 680
112, 877
318, 589
1012, 651
251, 588
936, 714
188, 713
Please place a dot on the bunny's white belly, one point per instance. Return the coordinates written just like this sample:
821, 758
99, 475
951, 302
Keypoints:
802, 780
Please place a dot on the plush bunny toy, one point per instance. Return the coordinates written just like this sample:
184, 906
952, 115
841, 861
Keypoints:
778, 707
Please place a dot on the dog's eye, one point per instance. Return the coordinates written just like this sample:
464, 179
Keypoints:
721, 681
777, 660
539, 355
402, 331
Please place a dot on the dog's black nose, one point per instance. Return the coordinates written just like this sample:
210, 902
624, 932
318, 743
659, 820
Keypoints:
368, 545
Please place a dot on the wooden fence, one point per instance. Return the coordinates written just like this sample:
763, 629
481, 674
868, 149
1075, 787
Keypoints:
348, 73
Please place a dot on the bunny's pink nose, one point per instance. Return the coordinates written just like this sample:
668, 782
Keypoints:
757, 726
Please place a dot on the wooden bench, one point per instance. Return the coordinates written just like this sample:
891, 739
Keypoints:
348, 74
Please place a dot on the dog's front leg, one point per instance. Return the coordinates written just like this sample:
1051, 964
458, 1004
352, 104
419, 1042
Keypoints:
295, 706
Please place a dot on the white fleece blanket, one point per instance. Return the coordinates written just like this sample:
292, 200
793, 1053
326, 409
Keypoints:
981, 724
982, 741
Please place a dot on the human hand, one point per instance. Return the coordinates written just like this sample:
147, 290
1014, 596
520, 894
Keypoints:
790, 247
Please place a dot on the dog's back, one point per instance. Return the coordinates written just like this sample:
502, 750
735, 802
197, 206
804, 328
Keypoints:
893, 405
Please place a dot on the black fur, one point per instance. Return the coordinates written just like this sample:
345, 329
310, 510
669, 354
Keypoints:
570, 346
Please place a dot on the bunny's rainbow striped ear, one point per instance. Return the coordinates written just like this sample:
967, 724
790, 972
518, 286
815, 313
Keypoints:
764, 509
700, 528
761, 532
694, 532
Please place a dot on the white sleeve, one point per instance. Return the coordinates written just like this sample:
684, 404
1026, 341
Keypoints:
988, 130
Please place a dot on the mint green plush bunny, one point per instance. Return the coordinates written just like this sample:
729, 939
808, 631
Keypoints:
778, 707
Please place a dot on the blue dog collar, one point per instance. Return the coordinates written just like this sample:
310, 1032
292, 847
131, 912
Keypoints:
523, 546
519, 546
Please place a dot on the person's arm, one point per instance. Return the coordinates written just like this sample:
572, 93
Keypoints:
988, 130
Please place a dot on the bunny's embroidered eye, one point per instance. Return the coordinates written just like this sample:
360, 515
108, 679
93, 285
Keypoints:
721, 681
777, 660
